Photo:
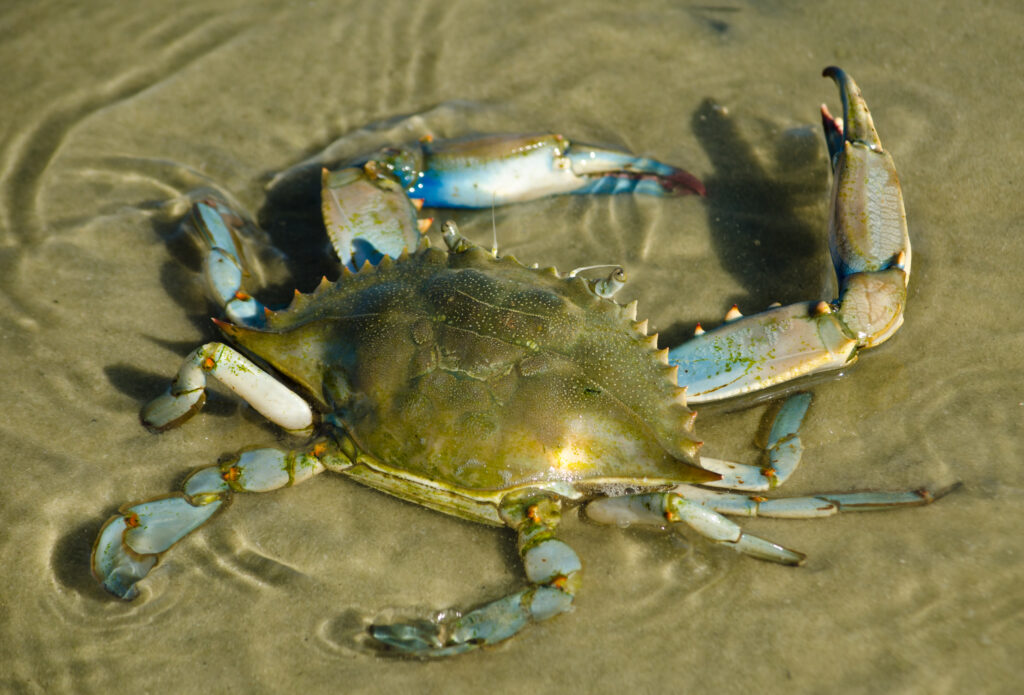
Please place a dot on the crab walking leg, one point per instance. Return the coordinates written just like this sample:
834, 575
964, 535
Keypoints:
221, 229
703, 510
782, 453
810, 507
187, 393
551, 566
871, 254
502, 169
130, 544
662, 508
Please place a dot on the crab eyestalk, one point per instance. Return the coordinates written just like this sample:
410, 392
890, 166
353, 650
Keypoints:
871, 255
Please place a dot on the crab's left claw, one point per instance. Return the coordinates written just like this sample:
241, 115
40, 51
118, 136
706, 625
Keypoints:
501, 169
370, 209
871, 254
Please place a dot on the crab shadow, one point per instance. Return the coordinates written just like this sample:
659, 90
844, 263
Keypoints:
765, 205
70, 559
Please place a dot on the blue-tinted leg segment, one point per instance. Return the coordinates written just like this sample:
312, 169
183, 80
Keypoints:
501, 169
114, 564
664, 508
187, 393
130, 544
782, 455
703, 509
221, 229
811, 506
554, 573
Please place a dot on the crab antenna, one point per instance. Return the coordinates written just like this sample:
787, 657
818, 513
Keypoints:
573, 273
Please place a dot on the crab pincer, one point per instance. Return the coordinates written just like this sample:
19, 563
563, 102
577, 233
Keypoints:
870, 252
481, 172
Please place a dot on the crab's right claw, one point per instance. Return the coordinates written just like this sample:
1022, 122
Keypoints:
871, 254
868, 226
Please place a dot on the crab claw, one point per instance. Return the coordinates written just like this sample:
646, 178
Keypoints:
871, 255
501, 169
868, 226
367, 215
370, 209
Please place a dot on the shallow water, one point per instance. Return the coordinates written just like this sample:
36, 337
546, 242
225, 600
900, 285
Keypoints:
107, 113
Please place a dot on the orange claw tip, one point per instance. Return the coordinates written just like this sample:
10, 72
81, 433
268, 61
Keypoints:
226, 327
417, 203
733, 313
424, 224
821, 308
698, 329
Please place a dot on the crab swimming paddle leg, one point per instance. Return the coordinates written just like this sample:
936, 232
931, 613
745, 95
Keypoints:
552, 568
131, 542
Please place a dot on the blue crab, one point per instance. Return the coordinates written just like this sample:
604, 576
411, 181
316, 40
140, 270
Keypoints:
503, 394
